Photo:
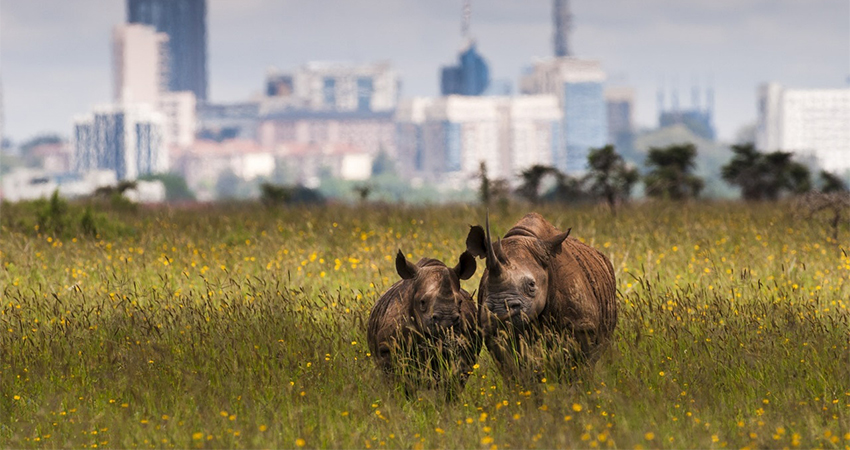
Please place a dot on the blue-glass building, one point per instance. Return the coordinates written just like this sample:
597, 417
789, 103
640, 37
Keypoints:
470, 77
453, 146
578, 85
185, 23
585, 124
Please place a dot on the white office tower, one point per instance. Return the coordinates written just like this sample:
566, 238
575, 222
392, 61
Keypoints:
125, 138
180, 118
333, 86
140, 63
445, 139
535, 131
807, 122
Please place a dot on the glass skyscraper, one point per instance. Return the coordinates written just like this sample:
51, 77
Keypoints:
470, 77
585, 123
578, 85
185, 23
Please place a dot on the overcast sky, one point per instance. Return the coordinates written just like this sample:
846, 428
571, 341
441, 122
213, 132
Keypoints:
55, 54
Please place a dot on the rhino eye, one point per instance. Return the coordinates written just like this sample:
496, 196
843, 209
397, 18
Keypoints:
529, 286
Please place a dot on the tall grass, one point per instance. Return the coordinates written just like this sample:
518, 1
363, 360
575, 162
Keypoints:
239, 326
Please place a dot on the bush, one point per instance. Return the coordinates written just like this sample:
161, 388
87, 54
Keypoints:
63, 219
275, 195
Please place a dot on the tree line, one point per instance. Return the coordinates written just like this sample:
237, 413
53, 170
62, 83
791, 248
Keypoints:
669, 174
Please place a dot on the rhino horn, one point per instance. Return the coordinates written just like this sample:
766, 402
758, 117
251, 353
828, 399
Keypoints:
493, 263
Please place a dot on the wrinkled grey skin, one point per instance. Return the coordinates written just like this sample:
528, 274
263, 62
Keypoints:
542, 288
423, 331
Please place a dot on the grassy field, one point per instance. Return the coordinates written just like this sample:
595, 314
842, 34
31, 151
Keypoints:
237, 326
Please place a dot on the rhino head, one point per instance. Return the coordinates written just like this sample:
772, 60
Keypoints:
516, 284
435, 304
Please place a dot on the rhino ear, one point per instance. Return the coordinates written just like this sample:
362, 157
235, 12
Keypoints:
476, 241
465, 268
405, 269
553, 244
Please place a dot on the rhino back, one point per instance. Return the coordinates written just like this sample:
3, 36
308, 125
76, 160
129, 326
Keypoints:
583, 292
533, 224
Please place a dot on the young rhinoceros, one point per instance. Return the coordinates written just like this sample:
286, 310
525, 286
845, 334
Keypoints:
544, 299
423, 332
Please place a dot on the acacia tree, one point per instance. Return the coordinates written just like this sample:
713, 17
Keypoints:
831, 183
831, 199
532, 177
671, 172
567, 189
176, 188
610, 177
765, 176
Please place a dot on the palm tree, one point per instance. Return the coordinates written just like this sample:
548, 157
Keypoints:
671, 172
610, 177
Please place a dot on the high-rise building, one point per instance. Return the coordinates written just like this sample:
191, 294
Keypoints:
328, 114
370, 132
139, 63
619, 103
220, 121
126, 138
698, 118
577, 83
445, 139
184, 21
180, 118
620, 106
807, 122
333, 86
470, 76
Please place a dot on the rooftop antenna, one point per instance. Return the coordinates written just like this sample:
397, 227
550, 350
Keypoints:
465, 18
563, 21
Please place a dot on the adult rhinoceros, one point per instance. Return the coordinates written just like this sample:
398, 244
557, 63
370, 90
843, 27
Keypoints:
542, 290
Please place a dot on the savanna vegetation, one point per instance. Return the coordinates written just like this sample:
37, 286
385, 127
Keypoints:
237, 326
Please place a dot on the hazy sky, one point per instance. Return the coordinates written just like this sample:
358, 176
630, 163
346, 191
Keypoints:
55, 54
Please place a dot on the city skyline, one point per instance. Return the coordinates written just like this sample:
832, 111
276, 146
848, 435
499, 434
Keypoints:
55, 56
